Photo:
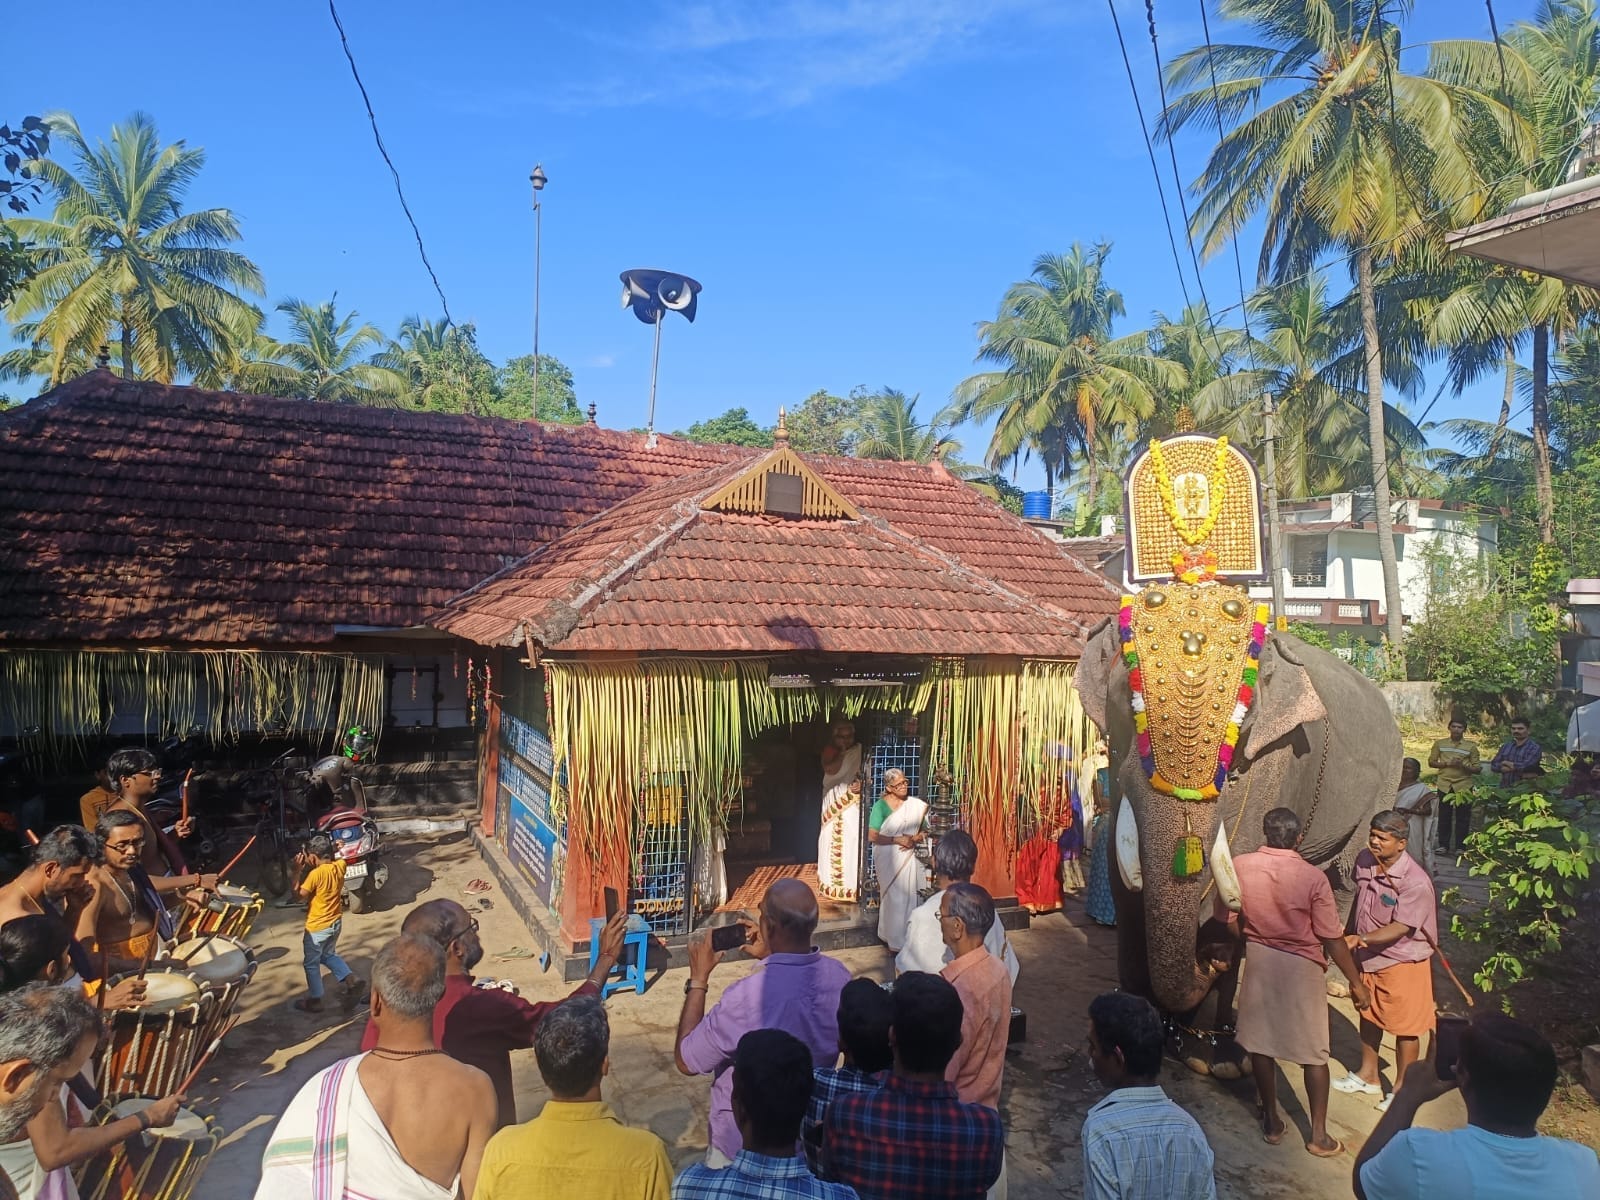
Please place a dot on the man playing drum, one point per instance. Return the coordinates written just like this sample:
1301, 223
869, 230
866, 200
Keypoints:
124, 914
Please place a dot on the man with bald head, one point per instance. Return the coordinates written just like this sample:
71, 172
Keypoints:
482, 1026
796, 989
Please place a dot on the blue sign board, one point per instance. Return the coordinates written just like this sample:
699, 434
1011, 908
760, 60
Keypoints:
533, 845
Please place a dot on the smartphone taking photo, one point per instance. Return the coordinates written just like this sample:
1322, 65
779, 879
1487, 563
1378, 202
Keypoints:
729, 937
1447, 1045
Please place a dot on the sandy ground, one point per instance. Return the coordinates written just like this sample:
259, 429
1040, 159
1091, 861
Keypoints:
1065, 960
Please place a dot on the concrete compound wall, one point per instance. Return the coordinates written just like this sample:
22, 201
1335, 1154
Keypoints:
1418, 700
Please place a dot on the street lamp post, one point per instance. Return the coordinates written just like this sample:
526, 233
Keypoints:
538, 179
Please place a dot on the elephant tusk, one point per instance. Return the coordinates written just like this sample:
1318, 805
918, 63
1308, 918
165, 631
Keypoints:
1128, 848
1222, 870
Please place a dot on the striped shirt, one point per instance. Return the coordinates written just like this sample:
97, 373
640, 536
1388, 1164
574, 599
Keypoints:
1139, 1145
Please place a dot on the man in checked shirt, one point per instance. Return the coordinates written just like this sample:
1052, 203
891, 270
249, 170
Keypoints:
913, 1138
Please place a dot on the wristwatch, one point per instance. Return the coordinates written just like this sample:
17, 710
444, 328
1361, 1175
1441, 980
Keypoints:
695, 985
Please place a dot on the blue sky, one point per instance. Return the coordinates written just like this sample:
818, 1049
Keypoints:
855, 182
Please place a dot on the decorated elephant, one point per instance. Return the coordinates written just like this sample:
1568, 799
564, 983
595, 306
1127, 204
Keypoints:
1309, 733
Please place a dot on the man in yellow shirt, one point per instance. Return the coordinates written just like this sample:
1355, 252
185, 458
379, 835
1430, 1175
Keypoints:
1457, 762
576, 1146
322, 888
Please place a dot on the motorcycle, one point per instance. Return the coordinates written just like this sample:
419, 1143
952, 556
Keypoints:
353, 830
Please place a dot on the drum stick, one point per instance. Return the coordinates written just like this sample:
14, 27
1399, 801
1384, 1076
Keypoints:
200, 1062
33, 838
149, 952
222, 875
204, 938
183, 796
105, 981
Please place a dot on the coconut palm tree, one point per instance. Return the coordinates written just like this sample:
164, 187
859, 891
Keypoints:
887, 427
1340, 150
1060, 375
120, 261
1300, 355
1547, 73
325, 359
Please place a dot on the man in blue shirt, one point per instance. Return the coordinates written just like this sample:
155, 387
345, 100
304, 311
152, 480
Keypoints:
1519, 758
1506, 1073
771, 1088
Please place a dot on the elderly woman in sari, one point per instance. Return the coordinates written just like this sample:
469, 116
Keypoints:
894, 827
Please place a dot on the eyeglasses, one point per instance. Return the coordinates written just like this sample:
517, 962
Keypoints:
471, 927
132, 847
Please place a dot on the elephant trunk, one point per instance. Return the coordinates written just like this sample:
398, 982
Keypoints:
1175, 909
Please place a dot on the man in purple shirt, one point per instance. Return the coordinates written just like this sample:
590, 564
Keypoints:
795, 989
1393, 930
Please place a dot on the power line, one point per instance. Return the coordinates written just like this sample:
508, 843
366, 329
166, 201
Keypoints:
1238, 261
1166, 214
383, 150
1177, 179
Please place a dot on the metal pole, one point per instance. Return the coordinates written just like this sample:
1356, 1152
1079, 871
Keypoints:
1274, 535
538, 179
655, 359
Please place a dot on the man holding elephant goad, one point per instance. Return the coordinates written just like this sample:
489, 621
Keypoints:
1291, 926
1393, 930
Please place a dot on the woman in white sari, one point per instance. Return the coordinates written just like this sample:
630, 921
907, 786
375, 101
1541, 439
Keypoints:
839, 841
894, 828
1418, 803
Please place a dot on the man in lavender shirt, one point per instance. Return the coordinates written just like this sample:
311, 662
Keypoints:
795, 989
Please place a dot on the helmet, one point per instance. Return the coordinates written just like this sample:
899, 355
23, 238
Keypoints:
358, 744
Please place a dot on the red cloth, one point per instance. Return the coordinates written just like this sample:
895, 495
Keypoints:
480, 1027
1039, 872
1287, 902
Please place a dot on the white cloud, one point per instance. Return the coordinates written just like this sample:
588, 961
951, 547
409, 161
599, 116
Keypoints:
600, 361
787, 53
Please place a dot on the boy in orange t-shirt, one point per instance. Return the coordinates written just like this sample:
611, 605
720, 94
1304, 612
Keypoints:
322, 888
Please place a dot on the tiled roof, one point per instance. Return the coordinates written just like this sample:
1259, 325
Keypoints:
659, 572
136, 512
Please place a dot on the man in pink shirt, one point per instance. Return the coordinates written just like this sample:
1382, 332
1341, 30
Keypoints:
1291, 928
966, 913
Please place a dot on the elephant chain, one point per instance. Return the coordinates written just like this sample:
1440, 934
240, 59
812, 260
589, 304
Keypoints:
1316, 796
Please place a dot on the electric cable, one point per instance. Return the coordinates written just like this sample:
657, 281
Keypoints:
1161, 192
399, 191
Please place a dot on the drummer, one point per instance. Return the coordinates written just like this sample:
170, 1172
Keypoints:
55, 883
37, 949
125, 914
134, 776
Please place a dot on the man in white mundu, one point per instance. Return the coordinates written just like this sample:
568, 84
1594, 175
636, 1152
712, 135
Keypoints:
403, 1121
839, 842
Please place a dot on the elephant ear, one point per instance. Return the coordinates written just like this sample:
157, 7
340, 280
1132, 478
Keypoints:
1102, 654
1285, 699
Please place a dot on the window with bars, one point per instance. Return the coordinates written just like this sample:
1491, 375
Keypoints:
1308, 561
661, 856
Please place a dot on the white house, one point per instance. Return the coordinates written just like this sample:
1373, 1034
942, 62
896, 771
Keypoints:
1332, 575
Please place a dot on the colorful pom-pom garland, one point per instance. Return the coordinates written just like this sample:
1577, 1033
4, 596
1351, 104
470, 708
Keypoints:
1230, 737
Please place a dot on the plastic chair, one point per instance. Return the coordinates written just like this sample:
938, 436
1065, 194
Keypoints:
637, 939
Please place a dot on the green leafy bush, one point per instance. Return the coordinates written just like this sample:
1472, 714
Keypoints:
1536, 857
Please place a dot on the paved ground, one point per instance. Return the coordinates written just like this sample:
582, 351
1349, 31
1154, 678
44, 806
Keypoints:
1065, 962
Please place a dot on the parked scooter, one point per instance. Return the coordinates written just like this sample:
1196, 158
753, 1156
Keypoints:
356, 839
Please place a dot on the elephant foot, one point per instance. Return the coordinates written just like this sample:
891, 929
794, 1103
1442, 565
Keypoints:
1197, 1064
1229, 1070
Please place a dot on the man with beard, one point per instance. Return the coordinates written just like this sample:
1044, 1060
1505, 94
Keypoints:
481, 1026
46, 1036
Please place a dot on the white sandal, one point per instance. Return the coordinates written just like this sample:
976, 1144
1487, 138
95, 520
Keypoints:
1353, 1084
